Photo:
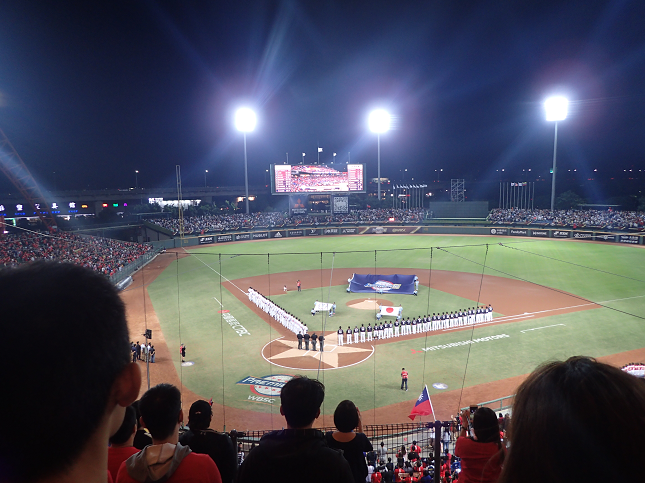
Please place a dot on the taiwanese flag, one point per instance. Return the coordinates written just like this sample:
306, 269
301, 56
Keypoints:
423, 406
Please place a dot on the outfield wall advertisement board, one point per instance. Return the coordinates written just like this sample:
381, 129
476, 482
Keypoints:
631, 239
205, 240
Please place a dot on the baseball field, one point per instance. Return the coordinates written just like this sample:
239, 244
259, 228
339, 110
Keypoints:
551, 299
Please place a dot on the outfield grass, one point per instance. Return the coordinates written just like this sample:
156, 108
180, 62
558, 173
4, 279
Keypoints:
187, 297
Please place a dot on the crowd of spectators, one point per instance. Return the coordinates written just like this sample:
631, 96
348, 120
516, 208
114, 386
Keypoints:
103, 255
605, 219
240, 221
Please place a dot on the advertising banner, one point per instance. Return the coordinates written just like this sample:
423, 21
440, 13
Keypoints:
583, 235
349, 231
295, 233
312, 231
540, 233
605, 237
242, 236
401, 284
258, 235
383, 230
633, 239
224, 238
205, 240
278, 234
331, 231
561, 234
518, 232
499, 231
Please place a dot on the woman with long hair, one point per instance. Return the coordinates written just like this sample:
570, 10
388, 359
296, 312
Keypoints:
482, 454
347, 417
577, 421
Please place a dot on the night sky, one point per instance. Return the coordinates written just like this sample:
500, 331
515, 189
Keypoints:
92, 91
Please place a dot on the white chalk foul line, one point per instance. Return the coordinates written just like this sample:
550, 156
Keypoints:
243, 291
538, 328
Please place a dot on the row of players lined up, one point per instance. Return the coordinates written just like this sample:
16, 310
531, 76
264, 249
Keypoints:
288, 320
415, 326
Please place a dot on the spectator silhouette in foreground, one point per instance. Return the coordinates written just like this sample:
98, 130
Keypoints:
122, 442
347, 417
298, 452
577, 421
201, 439
166, 459
75, 404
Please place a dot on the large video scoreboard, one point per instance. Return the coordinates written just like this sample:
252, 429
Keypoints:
290, 179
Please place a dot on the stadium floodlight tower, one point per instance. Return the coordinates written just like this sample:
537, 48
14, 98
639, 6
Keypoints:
245, 120
556, 110
379, 122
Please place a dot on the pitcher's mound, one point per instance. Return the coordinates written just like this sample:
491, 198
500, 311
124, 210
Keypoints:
367, 304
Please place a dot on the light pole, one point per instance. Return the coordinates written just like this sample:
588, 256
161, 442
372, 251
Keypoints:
556, 110
379, 122
245, 120
334, 158
303, 158
205, 173
319, 151
136, 178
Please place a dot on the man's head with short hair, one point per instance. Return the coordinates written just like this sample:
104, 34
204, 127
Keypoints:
160, 409
301, 398
62, 396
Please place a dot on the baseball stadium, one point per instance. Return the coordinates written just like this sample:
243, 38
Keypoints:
322, 241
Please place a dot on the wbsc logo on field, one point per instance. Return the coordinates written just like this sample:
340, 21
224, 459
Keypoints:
265, 388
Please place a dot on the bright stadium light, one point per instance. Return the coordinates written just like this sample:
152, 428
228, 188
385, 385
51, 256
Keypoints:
556, 110
245, 121
379, 122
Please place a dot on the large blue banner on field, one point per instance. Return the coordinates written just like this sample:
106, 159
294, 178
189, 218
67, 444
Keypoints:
403, 284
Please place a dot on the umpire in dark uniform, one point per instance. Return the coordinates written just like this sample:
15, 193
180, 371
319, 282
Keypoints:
321, 339
314, 339
299, 336
307, 337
